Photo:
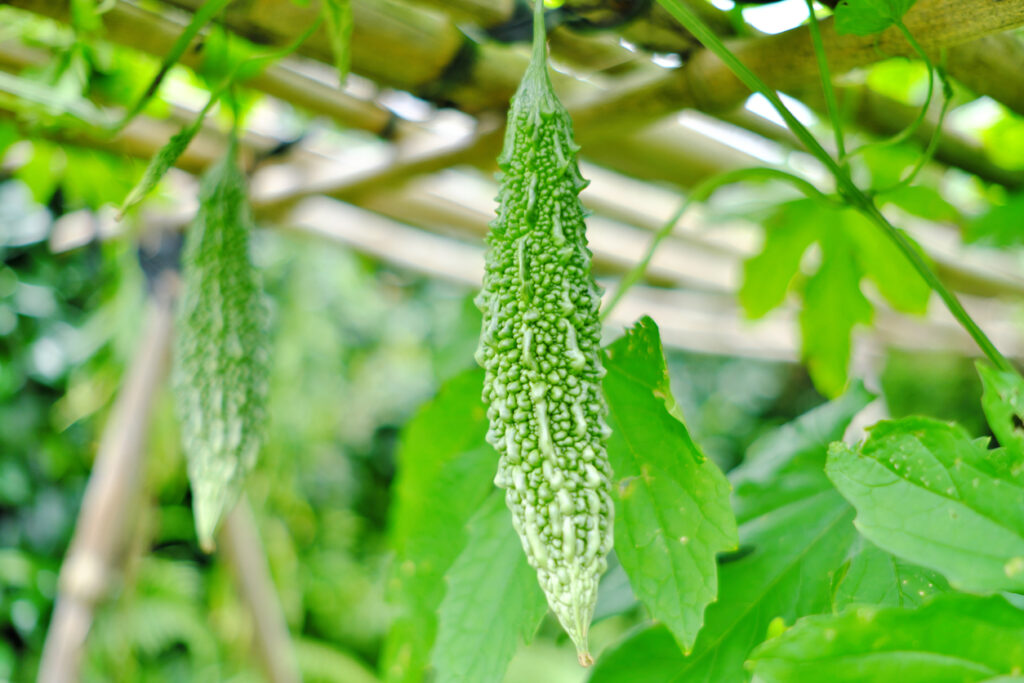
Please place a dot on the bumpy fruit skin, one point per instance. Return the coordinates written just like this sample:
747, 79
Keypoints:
221, 359
539, 345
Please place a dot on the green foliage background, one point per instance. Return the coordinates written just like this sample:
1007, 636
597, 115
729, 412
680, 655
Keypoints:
375, 461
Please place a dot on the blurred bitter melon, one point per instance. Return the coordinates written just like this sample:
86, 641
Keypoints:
221, 355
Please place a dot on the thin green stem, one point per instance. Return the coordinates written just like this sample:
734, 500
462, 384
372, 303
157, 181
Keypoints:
950, 299
831, 103
907, 132
847, 188
203, 15
699, 194
929, 151
540, 38
904, 134
947, 98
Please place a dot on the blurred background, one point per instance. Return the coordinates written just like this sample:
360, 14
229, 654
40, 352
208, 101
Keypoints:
372, 200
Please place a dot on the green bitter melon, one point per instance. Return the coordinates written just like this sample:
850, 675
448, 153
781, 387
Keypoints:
539, 345
221, 356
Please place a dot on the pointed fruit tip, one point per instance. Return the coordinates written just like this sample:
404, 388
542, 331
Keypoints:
585, 659
206, 527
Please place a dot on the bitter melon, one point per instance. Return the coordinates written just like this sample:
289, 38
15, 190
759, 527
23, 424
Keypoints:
539, 346
221, 355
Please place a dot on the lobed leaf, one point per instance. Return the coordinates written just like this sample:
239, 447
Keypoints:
875, 577
1000, 226
833, 306
445, 470
796, 549
672, 504
796, 537
338, 15
492, 601
928, 493
767, 276
1003, 403
954, 638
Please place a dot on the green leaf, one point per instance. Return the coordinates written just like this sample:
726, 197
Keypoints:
445, 471
797, 547
788, 463
1000, 226
324, 663
888, 163
874, 577
672, 504
928, 493
85, 17
203, 15
1004, 141
920, 200
94, 179
799, 535
42, 172
163, 160
493, 600
833, 305
864, 17
885, 264
1003, 402
767, 276
8, 136
954, 638
338, 15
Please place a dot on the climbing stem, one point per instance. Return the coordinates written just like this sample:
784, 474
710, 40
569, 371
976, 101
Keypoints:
950, 299
845, 185
700, 194
831, 103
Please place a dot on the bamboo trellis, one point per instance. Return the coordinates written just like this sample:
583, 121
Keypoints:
427, 189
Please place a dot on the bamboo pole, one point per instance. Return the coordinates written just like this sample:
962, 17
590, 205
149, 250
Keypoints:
244, 552
876, 114
786, 61
101, 530
623, 199
480, 76
105, 522
703, 321
154, 33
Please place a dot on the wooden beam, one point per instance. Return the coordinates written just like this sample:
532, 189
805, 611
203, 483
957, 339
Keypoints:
786, 61
154, 33
707, 322
112, 494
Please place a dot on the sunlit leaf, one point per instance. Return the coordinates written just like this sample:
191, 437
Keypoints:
492, 601
875, 577
954, 638
446, 470
864, 17
928, 493
672, 504
1000, 226
791, 546
833, 306
886, 265
767, 276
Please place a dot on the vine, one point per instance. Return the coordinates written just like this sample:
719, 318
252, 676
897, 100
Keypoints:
848, 190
